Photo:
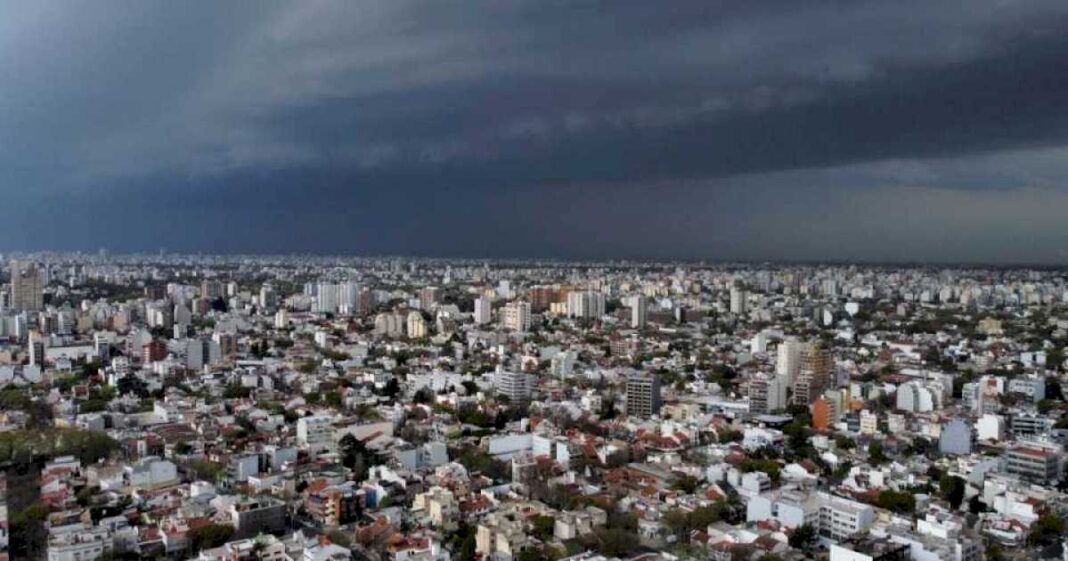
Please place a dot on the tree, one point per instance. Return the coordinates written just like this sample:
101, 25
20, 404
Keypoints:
843, 442
236, 391
876, 455
209, 536
615, 542
1055, 360
976, 505
802, 536
532, 554
468, 547
543, 526
994, 551
424, 396
770, 467
901, 502
27, 531
1047, 530
730, 435
681, 523
392, 388
85, 495
686, 484
952, 490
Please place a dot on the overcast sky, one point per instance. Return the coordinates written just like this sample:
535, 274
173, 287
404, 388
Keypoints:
928, 130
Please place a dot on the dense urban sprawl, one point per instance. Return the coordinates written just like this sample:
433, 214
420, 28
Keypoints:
229, 408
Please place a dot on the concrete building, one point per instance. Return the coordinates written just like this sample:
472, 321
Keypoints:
26, 287
151, 473
638, 311
957, 438
814, 374
263, 514
869, 549
914, 397
483, 310
738, 300
1033, 463
315, 433
990, 427
831, 516
1032, 386
429, 455
788, 359
767, 393
643, 395
585, 304
516, 386
416, 325
516, 316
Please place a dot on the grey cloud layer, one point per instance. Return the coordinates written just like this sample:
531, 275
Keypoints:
691, 107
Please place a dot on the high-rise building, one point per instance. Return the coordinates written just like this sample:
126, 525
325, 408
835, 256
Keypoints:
348, 298
643, 395
211, 289
638, 311
315, 433
516, 386
738, 297
36, 347
201, 352
1033, 462
543, 296
823, 414
483, 309
102, 346
788, 361
327, 298
155, 350
767, 393
516, 316
26, 287
585, 305
814, 374
416, 325
428, 296
281, 319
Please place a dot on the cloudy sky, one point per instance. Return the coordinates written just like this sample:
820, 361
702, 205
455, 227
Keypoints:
925, 130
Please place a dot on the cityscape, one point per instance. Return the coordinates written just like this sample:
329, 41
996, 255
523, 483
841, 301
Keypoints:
533, 280
396, 409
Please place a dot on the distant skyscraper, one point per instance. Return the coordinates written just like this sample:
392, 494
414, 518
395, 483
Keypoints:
738, 296
638, 310
516, 315
814, 374
585, 305
788, 361
26, 287
428, 296
416, 325
643, 395
483, 309
211, 289
327, 298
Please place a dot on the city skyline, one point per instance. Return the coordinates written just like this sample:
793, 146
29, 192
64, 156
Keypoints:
814, 132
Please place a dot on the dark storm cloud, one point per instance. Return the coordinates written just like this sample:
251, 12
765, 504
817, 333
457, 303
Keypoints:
686, 128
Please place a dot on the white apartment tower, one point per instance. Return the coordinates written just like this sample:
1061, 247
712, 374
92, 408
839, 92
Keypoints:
788, 363
516, 316
483, 310
638, 311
